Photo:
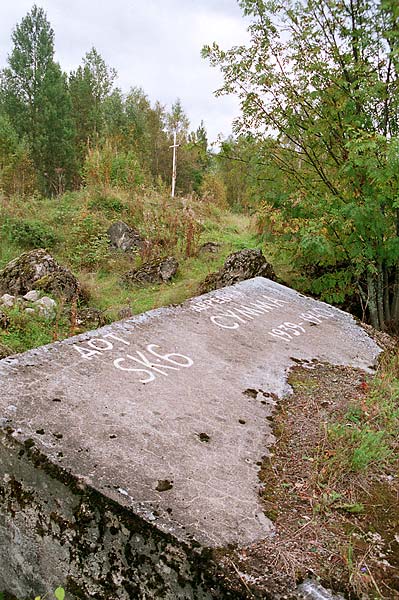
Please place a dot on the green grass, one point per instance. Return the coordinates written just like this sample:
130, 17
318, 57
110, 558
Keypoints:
367, 437
33, 330
73, 229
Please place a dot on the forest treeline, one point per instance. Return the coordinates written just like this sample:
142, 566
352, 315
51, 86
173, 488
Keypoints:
61, 130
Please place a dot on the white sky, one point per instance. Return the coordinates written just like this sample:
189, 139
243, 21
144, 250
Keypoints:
153, 44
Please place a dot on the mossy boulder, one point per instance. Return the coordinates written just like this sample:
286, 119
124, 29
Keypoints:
38, 270
239, 266
61, 283
125, 238
158, 271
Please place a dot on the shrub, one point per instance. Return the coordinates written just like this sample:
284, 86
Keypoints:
29, 234
107, 204
106, 166
213, 189
89, 244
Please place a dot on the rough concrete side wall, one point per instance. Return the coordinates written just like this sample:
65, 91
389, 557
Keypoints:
55, 531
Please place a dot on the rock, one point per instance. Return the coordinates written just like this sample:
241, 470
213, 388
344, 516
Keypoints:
312, 590
4, 320
30, 311
32, 296
209, 248
124, 237
38, 270
61, 283
90, 316
159, 271
46, 306
7, 301
241, 265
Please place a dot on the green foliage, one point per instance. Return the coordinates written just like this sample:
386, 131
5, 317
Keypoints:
237, 166
28, 233
213, 189
107, 167
90, 89
362, 446
89, 242
333, 287
333, 123
30, 330
59, 594
366, 436
108, 205
16, 167
36, 100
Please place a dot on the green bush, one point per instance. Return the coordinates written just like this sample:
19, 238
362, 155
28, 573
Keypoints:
107, 167
29, 233
89, 244
107, 204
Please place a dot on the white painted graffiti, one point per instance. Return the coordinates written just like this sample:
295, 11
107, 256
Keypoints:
241, 314
287, 330
208, 303
174, 362
136, 361
97, 345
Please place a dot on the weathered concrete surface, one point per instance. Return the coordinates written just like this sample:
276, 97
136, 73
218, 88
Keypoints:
163, 419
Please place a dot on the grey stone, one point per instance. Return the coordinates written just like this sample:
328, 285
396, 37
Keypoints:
46, 307
210, 248
32, 296
158, 271
134, 449
61, 283
38, 269
239, 266
7, 301
30, 311
312, 590
124, 237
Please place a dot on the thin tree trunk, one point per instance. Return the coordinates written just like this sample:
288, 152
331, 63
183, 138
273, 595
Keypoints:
380, 297
372, 301
363, 300
387, 307
395, 300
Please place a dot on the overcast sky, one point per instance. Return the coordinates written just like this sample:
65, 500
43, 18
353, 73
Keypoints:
154, 44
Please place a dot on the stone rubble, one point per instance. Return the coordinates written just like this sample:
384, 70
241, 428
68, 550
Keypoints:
31, 303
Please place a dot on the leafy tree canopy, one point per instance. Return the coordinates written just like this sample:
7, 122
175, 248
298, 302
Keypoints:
320, 80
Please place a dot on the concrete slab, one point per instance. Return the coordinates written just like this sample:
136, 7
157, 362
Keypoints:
166, 413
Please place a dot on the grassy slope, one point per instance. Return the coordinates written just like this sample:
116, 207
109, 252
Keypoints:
73, 229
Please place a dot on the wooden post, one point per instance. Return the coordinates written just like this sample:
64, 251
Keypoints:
175, 145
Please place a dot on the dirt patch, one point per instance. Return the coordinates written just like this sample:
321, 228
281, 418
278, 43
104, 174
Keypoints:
337, 525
